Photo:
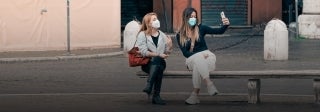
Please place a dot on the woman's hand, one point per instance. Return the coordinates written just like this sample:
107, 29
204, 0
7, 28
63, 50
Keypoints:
225, 21
164, 56
169, 42
205, 56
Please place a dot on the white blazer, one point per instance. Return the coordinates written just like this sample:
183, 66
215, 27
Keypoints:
145, 44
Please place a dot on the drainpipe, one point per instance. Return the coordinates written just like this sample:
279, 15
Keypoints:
297, 23
68, 28
165, 15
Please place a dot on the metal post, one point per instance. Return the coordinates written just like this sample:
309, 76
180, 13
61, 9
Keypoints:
165, 15
290, 13
297, 23
68, 27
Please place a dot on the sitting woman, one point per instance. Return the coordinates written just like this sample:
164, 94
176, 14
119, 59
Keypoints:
191, 40
155, 44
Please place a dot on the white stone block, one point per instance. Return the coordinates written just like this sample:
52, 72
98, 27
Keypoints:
276, 40
129, 36
309, 26
311, 7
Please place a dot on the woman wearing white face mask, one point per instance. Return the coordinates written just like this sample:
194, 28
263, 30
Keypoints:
155, 44
198, 58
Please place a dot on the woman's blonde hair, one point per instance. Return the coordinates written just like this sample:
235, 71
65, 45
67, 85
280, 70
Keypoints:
187, 31
145, 23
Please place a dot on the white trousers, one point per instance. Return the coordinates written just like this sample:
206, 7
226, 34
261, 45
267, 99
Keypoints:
201, 66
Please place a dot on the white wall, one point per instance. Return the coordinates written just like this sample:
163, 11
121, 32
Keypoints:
94, 24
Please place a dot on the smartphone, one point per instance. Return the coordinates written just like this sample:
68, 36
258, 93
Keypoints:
222, 15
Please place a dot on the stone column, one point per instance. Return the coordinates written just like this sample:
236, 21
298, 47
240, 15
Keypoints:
254, 91
316, 86
309, 21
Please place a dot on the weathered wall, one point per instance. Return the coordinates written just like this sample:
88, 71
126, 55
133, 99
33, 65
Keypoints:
264, 10
25, 27
164, 10
179, 6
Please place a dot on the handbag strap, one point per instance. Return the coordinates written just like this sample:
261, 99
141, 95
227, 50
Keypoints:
137, 39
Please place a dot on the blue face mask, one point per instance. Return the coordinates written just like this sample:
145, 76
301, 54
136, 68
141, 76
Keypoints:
192, 21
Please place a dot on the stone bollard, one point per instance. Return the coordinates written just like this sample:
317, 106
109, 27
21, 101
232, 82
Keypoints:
129, 36
276, 40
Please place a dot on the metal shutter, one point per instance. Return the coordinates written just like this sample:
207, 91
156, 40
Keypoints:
134, 8
235, 10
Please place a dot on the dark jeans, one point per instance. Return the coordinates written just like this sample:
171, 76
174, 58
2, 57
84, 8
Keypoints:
154, 61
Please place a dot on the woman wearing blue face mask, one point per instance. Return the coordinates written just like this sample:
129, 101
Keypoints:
194, 48
155, 44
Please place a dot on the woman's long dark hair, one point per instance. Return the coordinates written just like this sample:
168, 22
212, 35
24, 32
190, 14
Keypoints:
186, 30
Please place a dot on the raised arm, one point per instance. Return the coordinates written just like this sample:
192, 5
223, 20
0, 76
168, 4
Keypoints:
221, 30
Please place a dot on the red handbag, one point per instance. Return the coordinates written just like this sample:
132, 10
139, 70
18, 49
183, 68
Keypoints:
135, 58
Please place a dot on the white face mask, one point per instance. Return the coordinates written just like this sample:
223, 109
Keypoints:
156, 24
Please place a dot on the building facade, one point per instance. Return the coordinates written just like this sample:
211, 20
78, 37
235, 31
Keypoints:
240, 12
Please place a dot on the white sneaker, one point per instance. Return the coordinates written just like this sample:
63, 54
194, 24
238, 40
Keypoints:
192, 100
212, 90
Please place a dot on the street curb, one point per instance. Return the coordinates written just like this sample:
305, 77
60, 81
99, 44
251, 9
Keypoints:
59, 58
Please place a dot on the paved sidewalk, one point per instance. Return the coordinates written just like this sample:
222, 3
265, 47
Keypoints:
234, 43
35, 56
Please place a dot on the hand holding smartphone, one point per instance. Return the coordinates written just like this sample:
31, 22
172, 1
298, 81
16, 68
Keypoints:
225, 20
222, 15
